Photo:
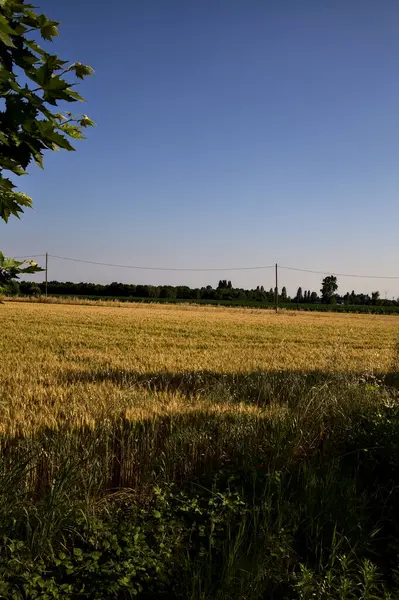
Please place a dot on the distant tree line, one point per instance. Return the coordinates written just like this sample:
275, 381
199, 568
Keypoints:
224, 292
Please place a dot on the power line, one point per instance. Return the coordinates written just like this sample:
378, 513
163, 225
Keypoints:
30, 256
253, 268
340, 274
92, 262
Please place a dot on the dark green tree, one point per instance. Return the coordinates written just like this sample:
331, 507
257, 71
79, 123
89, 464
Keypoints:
28, 288
32, 83
375, 297
284, 293
299, 295
167, 291
328, 288
142, 291
313, 297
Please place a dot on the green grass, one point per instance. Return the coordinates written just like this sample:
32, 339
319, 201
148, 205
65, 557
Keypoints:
298, 504
247, 474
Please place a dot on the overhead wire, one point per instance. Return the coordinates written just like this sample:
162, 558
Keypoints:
30, 256
339, 274
92, 262
210, 269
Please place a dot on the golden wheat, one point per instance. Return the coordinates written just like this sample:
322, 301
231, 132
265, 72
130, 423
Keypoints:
79, 364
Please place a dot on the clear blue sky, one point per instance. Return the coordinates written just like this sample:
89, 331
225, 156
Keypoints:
229, 133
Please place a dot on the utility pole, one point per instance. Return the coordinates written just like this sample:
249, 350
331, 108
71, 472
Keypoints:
46, 271
276, 290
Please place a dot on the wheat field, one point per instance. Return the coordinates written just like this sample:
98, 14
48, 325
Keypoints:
240, 449
81, 364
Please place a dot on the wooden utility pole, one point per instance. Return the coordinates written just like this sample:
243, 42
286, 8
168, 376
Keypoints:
276, 290
46, 271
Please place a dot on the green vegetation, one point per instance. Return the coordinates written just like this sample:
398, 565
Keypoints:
224, 295
33, 82
10, 269
301, 503
197, 453
328, 290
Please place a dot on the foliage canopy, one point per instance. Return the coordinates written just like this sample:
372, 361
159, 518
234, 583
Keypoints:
328, 288
33, 82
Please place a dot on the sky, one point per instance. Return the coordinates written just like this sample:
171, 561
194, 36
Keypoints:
229, 134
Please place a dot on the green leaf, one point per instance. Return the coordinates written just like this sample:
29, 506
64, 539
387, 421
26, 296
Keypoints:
9, 263
56, 89
37, 155
81, 70
86, 122
11, 165
51, 137
25, 59
6, 183
75, 96
5, 32
56, 83
35, 47
61, 141
49, 30
45, 127
54, 62
5, 38
30, 18
42, 75
15, 87
11, 203
20, 29
38, 158
5, 75
73, 131
33, 268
